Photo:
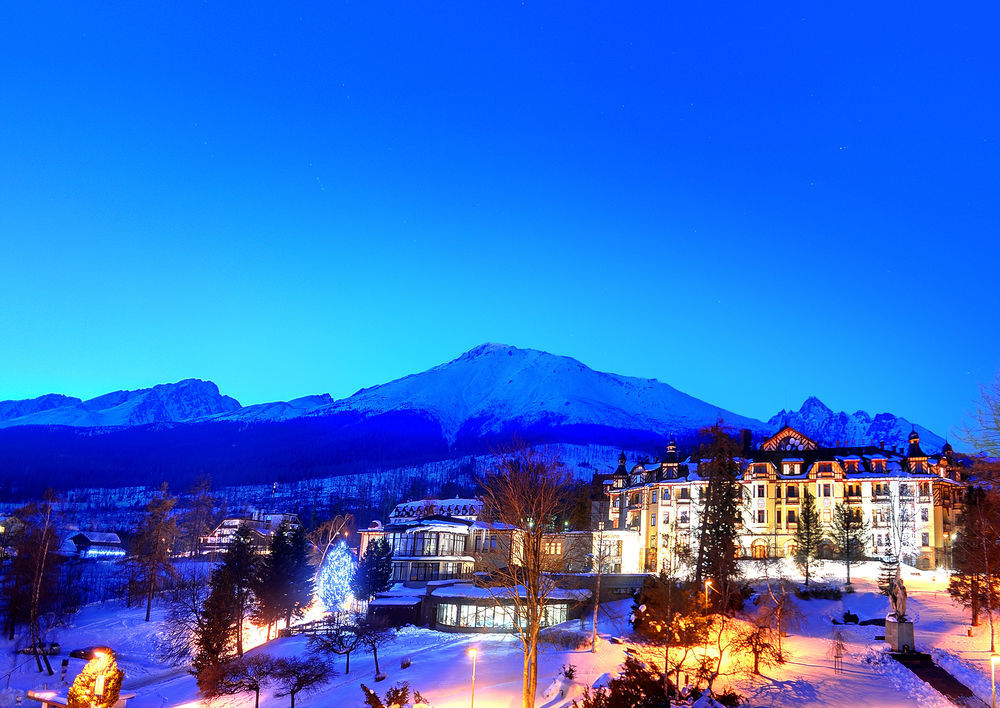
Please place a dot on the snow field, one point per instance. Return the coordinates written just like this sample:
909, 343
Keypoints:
442, 668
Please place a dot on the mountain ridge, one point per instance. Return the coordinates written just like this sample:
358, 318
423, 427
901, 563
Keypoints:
486, 391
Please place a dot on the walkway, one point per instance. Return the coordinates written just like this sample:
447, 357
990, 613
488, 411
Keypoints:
925, 669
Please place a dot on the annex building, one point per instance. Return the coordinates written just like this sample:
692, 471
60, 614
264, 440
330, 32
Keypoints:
910, 499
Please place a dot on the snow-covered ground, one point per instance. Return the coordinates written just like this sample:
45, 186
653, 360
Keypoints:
441, 666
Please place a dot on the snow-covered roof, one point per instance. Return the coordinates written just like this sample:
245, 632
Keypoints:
429, 525
397, 601
437, 507
99, 537
498, 593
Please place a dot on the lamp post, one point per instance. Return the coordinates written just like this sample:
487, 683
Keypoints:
472, 701
994, 658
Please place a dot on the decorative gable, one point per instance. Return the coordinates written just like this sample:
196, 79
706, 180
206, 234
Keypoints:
788, 439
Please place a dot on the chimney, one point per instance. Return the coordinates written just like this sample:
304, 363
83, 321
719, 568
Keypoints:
881, 444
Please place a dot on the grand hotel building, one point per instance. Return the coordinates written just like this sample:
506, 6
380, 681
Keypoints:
660, 500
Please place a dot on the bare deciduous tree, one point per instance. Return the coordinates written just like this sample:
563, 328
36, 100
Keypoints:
523, 494
294, 675
328, 533
982, 430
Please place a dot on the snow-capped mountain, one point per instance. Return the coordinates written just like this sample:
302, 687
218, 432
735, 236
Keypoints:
166, 403
10, 410
453, 413
489, 390
495, 387
820, 423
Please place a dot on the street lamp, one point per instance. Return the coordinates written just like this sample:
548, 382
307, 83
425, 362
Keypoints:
472, 701
994, 658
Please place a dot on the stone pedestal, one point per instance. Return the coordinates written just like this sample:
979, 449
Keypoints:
899, 634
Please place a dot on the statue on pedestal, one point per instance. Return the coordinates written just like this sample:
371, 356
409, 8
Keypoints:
897, 597
898, 629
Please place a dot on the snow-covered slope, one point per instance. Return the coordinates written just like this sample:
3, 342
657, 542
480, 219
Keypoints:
278, 410
494, 386
166, 403
820, 423
10, 410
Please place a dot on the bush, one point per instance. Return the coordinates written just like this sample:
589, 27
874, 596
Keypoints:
819, 593
730, 698
565, 638
637, 686
569, 671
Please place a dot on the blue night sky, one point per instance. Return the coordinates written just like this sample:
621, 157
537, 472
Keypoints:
753, 205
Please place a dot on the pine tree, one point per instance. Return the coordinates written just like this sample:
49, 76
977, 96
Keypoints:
269, 586
721, 509
153, 541
976, 555
215, 639
850, 534
285, 585
198, 515
98, 685
240, 564
887, 572
807, 535
374, 573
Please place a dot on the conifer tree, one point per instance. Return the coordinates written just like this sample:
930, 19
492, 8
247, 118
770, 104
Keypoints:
976, 555
721, 509
239, 569
285, 585
850, 533
887, 571
374, 572
807, 535
98, 685
198, 515
153, 541
215, 640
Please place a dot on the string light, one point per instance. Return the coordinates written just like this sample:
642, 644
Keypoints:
333, 586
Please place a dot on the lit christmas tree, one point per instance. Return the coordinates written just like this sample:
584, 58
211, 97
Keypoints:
98, 685
333, 586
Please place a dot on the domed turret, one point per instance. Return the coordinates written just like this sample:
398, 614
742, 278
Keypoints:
671, 455
914, 441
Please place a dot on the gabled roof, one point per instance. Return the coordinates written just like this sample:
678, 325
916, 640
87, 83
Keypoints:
789, 438
99, 537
